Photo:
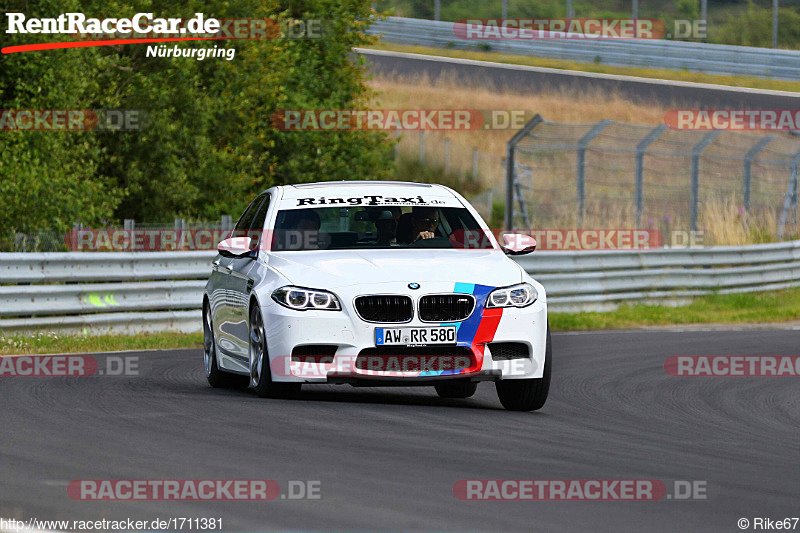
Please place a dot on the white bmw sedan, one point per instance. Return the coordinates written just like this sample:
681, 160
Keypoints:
374, 284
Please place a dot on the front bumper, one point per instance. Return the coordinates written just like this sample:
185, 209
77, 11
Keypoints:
344, 330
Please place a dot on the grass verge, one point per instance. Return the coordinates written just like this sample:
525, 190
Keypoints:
751, 308
49, 342
562, 64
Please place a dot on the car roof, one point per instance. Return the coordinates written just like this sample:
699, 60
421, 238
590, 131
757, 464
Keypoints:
360, 188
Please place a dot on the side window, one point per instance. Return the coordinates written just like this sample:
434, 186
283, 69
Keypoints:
246, 220
257, 226
261, 216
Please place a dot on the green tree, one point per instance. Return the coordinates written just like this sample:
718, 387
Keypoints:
49, 179
208, 145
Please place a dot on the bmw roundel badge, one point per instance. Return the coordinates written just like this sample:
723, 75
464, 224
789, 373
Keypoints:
413, 286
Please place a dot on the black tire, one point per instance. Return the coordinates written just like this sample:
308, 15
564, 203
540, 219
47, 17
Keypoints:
456, 389
527, 394
219, 379
260, 375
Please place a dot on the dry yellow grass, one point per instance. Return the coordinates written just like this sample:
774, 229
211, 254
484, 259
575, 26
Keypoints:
727, 223
421, 93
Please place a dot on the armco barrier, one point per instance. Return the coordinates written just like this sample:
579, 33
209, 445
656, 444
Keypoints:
658, 53
162, 291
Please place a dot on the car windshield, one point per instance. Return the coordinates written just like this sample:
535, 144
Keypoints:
378, 227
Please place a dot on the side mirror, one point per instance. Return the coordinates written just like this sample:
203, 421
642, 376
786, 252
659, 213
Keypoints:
236, 247
518, 244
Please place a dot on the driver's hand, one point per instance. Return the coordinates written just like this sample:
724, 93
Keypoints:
425, 235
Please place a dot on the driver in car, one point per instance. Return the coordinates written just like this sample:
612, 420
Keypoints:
425, 222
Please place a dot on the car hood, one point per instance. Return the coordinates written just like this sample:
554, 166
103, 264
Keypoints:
328, 269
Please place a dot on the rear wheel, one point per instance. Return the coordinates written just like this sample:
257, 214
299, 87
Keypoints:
456, 389
216, 377
527, 394
260, 375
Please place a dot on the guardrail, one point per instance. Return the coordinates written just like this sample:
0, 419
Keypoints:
162, 291
119, 292
600, 281
659, 54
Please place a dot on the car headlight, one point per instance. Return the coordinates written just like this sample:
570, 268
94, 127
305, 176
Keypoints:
301, 299
521, 295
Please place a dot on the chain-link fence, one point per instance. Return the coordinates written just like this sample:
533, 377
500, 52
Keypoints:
612, 174
453, 158
463, 167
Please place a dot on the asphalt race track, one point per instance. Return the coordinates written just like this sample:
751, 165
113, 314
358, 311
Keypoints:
387, 459
532, 80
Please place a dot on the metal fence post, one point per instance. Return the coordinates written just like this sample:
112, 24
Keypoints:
639, 172
226, 223
510, 149
580, 178
518, 191
475, 164
128, 224
695, 195
421, 147
790, 200
748, 164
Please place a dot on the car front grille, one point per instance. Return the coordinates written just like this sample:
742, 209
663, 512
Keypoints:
385, 308
445, 307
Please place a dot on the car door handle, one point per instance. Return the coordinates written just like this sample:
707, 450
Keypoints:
228, 268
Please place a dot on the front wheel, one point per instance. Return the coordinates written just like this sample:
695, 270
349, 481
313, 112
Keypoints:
260, 375
216, 377
527, 394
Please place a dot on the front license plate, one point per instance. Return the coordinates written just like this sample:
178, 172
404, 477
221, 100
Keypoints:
415, 336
